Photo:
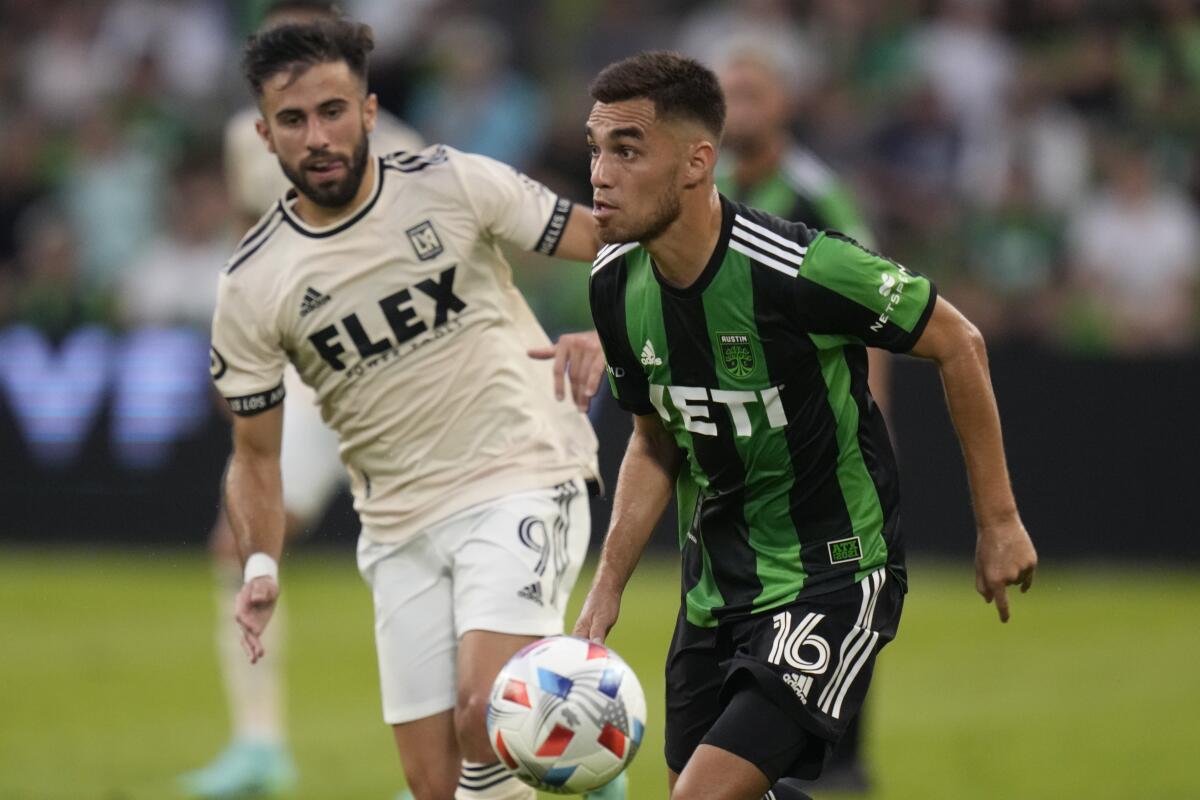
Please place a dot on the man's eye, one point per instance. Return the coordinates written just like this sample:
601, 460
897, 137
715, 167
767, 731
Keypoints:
627, 152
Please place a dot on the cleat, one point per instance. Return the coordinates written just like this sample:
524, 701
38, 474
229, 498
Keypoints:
245, 769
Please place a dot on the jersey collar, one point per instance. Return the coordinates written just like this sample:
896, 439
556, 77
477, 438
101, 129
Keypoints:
337, 227
717, 258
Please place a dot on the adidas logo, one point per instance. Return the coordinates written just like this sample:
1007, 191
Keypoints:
649, 359
312, 301
532, 592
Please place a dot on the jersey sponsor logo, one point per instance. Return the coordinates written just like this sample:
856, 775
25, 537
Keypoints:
737, 354
649, 358
312, 300
216, 364
692, 403
892, 287
843, 550
425, 241
401, 317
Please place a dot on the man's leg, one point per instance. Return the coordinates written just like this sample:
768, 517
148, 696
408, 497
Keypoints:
481, 655
429, 755
751, 745
515, 562
256, 759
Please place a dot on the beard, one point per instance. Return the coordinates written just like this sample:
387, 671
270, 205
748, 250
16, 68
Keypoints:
666, 211
339, 193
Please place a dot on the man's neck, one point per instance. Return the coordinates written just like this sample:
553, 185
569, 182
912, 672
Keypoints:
682, 251
754, 166
320, 216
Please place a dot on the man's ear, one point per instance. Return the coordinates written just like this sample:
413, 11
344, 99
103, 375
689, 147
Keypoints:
264, 132
370, 112
701, 161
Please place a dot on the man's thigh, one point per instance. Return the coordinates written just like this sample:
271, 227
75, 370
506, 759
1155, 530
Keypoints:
515, 560
694, 677
414, 627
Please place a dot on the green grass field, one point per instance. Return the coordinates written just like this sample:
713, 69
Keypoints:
108, 684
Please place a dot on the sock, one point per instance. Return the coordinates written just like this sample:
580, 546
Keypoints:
786, 790
254, 691
490, 782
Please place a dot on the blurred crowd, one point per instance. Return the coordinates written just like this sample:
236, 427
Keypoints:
1039, 158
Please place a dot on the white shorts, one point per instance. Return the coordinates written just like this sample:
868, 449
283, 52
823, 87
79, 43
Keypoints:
310, 466
506, 566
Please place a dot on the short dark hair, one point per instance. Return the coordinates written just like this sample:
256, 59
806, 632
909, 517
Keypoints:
678, 86
295, 48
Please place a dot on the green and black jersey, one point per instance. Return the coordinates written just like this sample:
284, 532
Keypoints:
759, 371
803, 189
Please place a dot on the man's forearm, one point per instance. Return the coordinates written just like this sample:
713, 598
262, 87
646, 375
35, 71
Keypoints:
254, 502
972, 406
644, 488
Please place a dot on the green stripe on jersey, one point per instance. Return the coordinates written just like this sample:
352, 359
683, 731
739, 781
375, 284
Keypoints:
766, 459
840, 266
858, 487
648, 341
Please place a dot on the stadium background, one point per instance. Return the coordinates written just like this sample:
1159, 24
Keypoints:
1038, 159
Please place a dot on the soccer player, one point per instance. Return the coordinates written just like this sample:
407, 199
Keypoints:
763, 165
737, 339
380, 279
256, 758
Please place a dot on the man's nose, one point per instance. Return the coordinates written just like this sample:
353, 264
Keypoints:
601, 178
316, 137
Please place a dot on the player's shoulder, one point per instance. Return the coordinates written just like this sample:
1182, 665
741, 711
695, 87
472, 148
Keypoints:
768, 240
609, 260
412, 162
259, 242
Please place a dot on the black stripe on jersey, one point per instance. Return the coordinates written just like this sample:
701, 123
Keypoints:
251, 404
348, 223
723, 530
244, 254
816, 503
607, 295
547, 243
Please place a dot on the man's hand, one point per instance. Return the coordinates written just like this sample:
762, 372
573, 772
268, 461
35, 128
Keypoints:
599, 613
254, 606
580, 356
1004, 556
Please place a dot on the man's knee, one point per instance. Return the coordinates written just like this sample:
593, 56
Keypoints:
429, 780
470, 713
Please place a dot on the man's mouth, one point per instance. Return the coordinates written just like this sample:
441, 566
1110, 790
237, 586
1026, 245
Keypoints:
326, 168
602, 210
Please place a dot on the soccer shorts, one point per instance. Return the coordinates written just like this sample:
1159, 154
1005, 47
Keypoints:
506, 566
310, 466
813, 659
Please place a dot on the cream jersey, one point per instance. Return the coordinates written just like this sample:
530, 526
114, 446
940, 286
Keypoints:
404, 320
253, 174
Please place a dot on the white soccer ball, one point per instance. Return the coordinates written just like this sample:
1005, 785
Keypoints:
566, 715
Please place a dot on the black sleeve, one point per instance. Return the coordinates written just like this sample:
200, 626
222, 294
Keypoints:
626, 377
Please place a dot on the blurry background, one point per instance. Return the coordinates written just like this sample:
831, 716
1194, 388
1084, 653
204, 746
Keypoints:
1039, 159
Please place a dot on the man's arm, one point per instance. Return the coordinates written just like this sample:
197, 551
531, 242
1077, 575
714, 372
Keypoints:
254, 502
580, 241
1004, 553
644, 488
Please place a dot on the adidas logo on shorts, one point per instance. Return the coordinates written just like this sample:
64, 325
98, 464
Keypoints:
532, 592
800, 684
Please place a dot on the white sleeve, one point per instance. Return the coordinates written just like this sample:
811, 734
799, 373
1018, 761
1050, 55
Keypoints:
510, 205
247, 359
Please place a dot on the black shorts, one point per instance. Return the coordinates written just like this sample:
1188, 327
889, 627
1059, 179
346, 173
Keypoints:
813, 659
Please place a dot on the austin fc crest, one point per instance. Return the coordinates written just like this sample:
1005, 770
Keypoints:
737, 354
425, 241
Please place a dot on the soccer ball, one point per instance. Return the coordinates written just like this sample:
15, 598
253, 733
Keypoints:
566, 715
